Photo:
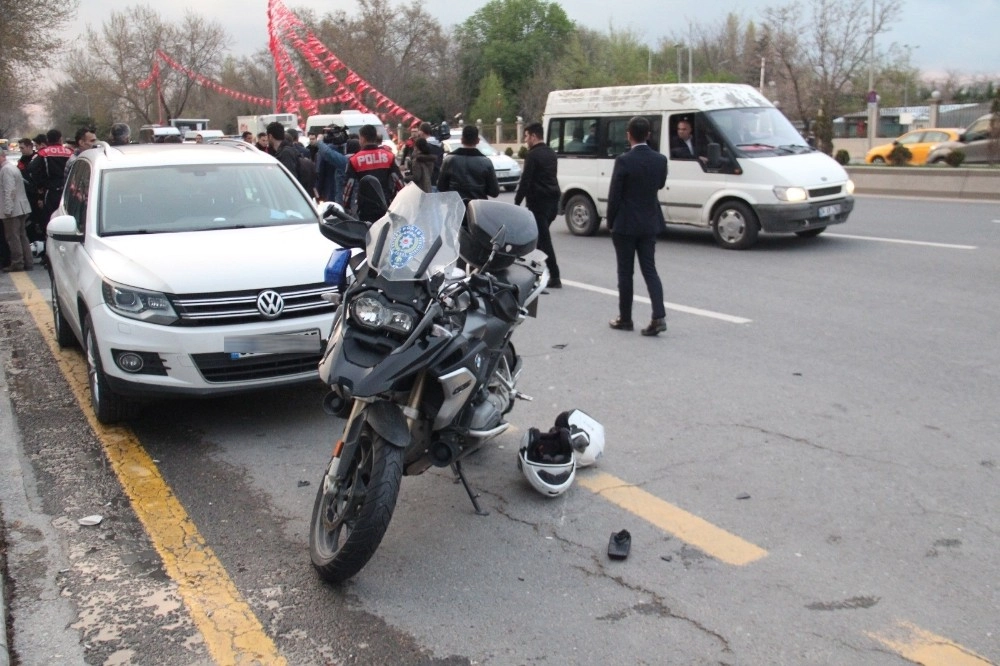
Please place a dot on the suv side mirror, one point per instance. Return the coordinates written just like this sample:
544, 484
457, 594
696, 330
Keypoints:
63, 228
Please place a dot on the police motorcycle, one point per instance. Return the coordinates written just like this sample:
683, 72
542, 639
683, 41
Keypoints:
419, 359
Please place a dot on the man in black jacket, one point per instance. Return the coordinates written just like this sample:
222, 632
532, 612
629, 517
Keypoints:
48, 172
467, 171
539, 185
634, 217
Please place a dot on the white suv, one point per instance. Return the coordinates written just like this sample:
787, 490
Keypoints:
193, 270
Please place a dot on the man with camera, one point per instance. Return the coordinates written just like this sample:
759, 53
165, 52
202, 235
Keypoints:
331, 167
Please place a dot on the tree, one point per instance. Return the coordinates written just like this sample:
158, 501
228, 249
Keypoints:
30, 31
820, 57
120, 54
492, 102
402, 51
513, 38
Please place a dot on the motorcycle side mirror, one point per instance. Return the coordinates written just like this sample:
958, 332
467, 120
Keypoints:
336, 225
371, 199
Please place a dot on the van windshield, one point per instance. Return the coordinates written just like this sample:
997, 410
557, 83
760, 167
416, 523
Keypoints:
759, 132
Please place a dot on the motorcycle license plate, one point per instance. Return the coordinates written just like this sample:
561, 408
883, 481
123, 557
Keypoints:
307, 341
829, 211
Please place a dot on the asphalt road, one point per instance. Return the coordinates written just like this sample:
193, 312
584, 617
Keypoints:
807, 462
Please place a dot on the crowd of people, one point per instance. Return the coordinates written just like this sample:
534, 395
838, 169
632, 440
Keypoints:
330, 167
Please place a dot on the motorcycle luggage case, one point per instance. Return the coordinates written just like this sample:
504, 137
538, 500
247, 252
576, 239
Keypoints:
484, 220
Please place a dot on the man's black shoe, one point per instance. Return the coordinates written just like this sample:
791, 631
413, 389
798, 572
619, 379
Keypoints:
620, 324
555, 284
656, 326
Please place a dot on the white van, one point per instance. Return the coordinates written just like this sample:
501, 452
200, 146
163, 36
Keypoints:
353, 120
752, 171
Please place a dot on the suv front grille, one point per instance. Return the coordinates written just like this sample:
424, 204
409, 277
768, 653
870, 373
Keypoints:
240, 307
221, 368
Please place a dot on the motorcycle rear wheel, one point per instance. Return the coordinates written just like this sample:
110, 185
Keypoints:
349, 521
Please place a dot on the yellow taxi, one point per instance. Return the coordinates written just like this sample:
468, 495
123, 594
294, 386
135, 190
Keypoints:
918, 142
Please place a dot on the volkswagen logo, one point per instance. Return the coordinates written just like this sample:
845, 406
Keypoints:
270, 304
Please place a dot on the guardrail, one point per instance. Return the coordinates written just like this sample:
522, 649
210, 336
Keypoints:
928, 181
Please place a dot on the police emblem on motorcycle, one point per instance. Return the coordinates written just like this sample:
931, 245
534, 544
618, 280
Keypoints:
406, 243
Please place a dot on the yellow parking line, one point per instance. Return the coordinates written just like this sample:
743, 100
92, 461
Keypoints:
696, 531
923, 647
232, 633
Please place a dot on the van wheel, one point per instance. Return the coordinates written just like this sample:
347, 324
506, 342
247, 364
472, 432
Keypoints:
734, 226
810, 233
581, 216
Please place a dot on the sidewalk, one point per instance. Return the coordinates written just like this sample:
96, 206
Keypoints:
41, 616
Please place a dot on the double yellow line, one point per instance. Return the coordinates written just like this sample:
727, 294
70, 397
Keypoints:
232, 633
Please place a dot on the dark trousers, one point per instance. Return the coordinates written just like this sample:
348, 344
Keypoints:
543, 219
627, 248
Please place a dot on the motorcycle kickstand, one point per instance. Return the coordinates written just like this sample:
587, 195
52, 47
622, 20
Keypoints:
457, 467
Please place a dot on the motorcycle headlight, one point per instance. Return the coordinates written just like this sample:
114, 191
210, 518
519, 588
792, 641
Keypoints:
150, 306
791, 194
373, 314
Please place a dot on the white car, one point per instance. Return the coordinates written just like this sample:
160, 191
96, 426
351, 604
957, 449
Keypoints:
507, 168
187, 270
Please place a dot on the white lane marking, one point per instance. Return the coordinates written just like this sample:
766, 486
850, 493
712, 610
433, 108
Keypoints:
948, 246
732, 319
996, 221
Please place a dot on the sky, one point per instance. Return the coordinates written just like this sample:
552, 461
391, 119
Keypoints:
957, 36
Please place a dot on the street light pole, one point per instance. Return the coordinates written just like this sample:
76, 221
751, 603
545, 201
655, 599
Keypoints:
677, 49
872, 103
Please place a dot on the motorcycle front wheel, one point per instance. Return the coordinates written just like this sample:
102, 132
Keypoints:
350, 517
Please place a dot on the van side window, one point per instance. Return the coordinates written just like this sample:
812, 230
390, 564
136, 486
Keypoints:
574, 136
618, 137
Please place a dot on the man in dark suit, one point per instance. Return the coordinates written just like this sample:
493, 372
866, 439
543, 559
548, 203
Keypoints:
539, 185
634, 217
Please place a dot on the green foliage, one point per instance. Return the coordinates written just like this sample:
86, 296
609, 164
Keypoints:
522, 152
492, 102
900, 155
843, 156
955, 158
509, 152
511, 38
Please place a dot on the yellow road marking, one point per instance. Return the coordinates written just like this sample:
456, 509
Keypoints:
923, 647
688, 527
232, 633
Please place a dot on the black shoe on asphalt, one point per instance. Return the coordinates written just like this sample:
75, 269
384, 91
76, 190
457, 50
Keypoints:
555, 284
656, 326
620, 324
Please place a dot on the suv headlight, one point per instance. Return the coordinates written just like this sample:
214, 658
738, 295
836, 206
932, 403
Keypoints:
791, 194
151, 306
371, 313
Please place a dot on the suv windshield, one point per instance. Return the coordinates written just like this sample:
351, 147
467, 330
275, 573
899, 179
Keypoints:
759, 132
170, 199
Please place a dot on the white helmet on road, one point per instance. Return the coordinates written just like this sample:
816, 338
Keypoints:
547, 461
586, 436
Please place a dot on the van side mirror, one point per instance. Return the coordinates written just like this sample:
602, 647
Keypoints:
714, 156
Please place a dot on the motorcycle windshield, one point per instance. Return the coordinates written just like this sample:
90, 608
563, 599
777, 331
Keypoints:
418, 236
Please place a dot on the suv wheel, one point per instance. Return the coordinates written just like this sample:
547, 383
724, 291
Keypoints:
64, 334
109, 407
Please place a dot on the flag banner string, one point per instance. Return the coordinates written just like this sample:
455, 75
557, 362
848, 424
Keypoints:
346, 86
